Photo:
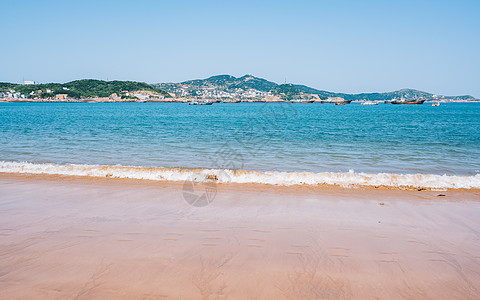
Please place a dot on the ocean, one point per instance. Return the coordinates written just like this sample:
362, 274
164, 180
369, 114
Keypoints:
295, 143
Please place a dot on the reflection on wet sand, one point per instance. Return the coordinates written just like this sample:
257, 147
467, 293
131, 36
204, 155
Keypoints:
74, 238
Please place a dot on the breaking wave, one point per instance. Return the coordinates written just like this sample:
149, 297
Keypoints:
344, 179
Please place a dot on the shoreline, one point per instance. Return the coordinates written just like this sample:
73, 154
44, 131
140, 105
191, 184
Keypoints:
106, 100
233, 185
349, 179
304, 189
67, 237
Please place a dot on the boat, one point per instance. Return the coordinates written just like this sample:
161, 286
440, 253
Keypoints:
369, 103
342, 102
407, 101
303, 101
199, 103
336, 101
436, 104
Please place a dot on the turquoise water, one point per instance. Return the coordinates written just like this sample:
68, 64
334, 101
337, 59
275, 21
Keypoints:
406, 139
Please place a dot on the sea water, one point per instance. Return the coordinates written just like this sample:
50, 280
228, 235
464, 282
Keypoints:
415, 145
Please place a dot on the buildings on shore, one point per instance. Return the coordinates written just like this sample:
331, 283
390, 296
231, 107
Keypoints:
182, 94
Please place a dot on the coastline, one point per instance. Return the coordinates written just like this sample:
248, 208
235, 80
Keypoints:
188, 100
104, 238
215, 176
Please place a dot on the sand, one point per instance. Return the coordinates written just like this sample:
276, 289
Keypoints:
83, 238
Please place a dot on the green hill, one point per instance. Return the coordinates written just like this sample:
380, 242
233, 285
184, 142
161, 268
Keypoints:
85, 88
287, 91
406, 93
251, 87
220, 85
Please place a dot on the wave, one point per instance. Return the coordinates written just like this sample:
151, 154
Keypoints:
344, 179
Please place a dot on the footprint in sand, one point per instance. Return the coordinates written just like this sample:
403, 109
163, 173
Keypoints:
340, 255
210, 230
255, 246
174, 233
125, 240
295, 253
262, 231
85, 236
171, 240
134, 233
214, 238
388, 252
212, 245
4, 234
92, 230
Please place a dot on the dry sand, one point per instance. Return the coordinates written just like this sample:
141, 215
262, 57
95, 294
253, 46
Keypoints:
81, 238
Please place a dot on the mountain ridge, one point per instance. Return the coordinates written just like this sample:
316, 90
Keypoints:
228, 86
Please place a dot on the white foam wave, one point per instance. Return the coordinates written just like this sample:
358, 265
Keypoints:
345, 179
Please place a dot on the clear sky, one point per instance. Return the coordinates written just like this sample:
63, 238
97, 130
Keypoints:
341, 46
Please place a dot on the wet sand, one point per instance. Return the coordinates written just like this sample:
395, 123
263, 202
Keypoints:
84, 238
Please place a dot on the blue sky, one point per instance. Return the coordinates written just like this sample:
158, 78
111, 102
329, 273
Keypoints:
342, 46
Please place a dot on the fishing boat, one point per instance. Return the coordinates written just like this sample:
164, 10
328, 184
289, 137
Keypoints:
436, 104
303, 101
407, 101
199, 103
336, 101
369, 103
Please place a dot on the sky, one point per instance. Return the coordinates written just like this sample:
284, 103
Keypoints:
339, 46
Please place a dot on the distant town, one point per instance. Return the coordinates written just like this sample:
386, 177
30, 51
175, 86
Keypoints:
221, 88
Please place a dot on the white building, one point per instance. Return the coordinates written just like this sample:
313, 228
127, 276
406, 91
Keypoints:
29, 82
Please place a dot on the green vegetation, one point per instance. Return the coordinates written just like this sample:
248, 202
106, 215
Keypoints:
287, 92
221, 86
225, 83
406, 93
85, 88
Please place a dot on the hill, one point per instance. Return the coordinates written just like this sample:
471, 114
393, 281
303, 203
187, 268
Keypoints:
221, 86
406, 93
251, 87
289, 92
85, 88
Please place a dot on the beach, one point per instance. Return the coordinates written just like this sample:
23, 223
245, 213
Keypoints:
103, 238
299, 150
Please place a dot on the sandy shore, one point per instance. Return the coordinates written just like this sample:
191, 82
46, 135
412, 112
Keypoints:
84, 238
